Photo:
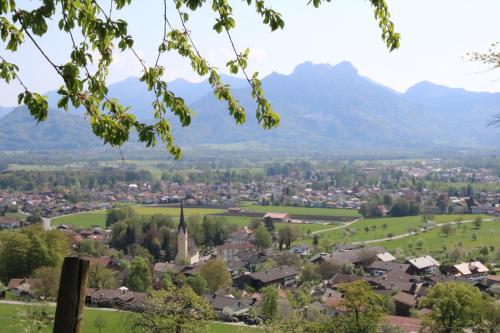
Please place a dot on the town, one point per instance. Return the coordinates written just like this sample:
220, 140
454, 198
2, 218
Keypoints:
260, 247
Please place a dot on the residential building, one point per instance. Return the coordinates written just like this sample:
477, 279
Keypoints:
9, 222
471, 270
423, 265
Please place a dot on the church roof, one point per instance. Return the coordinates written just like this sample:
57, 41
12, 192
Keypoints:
182, 222
192, 248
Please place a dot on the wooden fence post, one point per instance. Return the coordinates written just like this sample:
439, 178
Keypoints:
71, 295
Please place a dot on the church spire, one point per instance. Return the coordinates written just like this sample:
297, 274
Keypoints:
182, 222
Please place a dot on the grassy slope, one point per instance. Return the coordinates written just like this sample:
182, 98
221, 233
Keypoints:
488, 235
115, 322
395, 225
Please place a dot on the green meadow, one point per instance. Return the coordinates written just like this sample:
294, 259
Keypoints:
84, 220
434, 240
370, 229
88, 219
115, 322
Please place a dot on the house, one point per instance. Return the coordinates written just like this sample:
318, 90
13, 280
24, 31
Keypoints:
252, 259
471, 270
22, 287
120, 298
230, 306
9, 222
229, 252
301, 249
404, 302
422, 265
242, 236
285, 276
359, 257
277, 217
341, 278
379, 268
393, 280
386, 257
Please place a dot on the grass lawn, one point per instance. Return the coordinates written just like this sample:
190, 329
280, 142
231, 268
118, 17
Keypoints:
115, 322
488, 235
84, 220
305, 210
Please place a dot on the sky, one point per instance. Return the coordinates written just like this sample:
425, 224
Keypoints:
435, 39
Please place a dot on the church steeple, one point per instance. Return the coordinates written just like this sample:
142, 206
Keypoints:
187, 252
182, 222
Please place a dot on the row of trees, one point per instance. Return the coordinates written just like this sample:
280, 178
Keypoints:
30, 180
217, 177
376, 204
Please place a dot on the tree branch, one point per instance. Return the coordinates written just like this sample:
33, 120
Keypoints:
56, 67
15, 75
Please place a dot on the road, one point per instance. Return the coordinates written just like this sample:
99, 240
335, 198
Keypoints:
335, 228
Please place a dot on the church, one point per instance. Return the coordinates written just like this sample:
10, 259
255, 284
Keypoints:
187, 251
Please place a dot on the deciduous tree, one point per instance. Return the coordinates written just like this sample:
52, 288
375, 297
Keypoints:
263, 238
454, 306
139, 278
176, 310
216, 274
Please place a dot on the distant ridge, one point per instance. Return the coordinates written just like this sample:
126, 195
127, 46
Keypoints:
321, 107
4, 111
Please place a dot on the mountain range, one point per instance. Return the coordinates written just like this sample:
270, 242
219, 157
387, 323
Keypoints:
4, 111
321, 107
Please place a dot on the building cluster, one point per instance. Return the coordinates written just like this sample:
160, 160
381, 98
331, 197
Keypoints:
405, 282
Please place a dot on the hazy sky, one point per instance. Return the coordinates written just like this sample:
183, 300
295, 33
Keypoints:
436, 37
